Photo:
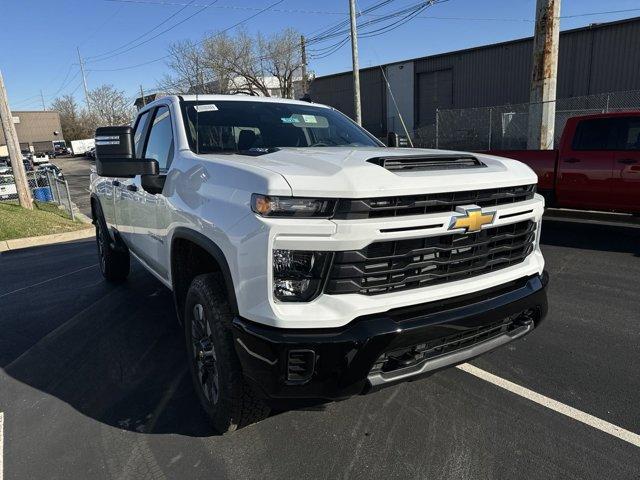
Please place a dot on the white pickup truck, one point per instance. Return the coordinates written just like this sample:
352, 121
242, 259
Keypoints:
306, 259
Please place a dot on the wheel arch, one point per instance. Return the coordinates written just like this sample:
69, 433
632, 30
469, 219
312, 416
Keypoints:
185, 238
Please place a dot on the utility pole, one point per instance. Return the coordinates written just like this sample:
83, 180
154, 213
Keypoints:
44, 107
303, 49
356, 68
542, 108
84, 79
144, 102
13, 146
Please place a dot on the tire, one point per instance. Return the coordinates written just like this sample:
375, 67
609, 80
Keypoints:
114, 264
226, 397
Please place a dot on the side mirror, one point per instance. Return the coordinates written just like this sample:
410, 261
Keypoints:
395, 140
115, 154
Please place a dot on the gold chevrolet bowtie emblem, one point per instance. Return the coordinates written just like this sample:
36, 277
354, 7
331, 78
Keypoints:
472, 220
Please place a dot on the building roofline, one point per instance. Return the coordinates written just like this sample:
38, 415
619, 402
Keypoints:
592, 26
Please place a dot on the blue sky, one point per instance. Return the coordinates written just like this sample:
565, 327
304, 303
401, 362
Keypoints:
43, 35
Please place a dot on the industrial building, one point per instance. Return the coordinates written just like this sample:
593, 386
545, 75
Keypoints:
35, 127
597, 59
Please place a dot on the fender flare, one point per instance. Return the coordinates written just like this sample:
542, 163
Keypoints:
98, 216
184, 233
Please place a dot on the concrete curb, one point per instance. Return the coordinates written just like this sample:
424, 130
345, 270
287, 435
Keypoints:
18, 243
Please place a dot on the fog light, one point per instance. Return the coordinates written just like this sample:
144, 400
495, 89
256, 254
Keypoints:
297, 275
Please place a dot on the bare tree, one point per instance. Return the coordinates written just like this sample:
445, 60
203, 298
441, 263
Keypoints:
110, 106
188, 73
76, 123
253, 65
283, 59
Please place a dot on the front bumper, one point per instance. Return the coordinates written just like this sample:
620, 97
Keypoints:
382, 349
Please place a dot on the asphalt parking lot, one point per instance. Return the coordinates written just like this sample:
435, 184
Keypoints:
93, 384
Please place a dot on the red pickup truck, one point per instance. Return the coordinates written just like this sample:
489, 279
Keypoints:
596, 168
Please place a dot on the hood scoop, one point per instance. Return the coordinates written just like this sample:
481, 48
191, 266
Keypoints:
427, 162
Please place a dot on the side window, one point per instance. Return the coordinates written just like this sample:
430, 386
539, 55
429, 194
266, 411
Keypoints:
160, 143
631, 134
137, 134
596, 134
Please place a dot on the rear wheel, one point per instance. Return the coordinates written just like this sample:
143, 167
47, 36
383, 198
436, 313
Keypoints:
114, 264
217, 376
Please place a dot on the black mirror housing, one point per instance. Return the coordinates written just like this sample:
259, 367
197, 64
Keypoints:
115, 154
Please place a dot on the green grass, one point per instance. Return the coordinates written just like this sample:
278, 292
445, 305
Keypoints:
44, 219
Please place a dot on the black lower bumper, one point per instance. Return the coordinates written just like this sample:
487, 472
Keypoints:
378, 350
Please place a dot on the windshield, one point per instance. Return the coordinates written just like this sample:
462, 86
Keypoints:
237, 126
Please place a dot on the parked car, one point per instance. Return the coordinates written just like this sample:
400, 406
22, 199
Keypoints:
41, 159
8, 189
597, 166
306, 259
51, 169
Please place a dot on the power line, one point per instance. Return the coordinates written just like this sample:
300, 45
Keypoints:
323, 12
164, 57
148, 32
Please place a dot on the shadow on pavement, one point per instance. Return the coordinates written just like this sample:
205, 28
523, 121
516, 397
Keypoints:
117, 357
589, 236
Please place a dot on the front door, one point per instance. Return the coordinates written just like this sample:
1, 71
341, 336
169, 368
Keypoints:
626, 165
585, 167
126, 194
149, 233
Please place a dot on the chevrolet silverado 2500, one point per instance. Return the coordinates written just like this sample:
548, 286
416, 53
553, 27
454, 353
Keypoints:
307, 260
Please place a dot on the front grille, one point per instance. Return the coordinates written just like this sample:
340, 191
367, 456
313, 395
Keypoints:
390, 266
350, 209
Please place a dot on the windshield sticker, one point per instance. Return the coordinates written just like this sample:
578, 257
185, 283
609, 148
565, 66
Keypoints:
309, 119
211, 107
290, 120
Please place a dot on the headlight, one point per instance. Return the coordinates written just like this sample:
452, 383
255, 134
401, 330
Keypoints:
270, 206
298, 275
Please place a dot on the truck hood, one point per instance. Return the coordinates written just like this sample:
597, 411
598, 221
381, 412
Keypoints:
345, 172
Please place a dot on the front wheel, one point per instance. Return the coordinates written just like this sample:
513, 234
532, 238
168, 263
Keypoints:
226, 397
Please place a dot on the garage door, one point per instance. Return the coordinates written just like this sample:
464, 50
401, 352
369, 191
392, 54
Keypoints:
435, 90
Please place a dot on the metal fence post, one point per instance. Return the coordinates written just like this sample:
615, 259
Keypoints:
490, 125
66, 185
55, 181
608, 98
49, 183
437, 127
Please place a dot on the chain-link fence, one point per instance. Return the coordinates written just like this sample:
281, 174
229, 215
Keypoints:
505, 127
45, 185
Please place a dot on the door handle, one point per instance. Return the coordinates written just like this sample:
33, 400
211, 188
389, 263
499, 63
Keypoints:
115, 183
571, 160
132, 188
627, 161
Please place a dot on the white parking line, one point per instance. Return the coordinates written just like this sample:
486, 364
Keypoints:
47, 281
602, 425
1, 444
